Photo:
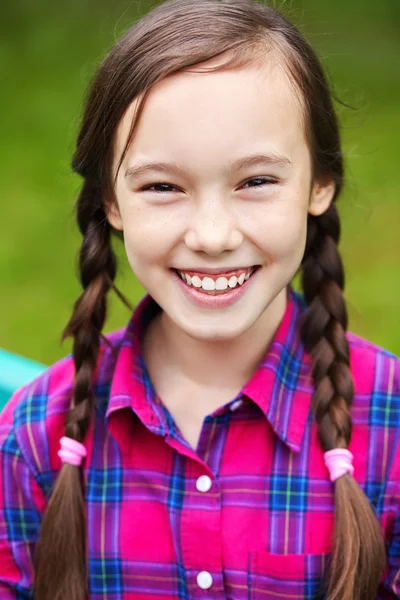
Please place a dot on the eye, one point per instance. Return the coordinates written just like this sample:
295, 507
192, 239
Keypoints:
260, 181
152, 186
166, 187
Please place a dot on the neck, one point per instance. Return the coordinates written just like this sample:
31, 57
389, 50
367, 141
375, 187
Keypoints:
223, 363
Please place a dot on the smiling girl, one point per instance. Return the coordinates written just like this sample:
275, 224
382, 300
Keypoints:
234, 441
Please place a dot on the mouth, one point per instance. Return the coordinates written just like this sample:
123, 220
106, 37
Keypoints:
215, 284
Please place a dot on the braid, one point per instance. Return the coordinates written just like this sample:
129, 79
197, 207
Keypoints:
358, 557
60, 557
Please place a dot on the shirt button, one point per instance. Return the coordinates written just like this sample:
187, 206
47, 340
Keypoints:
204, 580
235, 405
203, 484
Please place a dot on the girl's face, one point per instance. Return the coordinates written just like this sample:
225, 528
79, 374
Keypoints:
216, 183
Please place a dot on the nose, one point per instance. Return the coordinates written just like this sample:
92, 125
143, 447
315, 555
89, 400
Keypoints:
212, 228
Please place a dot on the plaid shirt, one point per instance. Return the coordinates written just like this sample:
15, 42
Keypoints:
248, 515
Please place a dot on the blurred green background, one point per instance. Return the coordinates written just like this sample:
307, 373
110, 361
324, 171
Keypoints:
48, 53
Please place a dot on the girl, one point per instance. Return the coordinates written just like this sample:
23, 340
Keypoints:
234, 440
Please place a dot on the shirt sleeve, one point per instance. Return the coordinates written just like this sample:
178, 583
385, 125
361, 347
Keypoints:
389, 588
22, 502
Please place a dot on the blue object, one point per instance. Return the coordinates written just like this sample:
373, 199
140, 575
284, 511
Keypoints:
15, 371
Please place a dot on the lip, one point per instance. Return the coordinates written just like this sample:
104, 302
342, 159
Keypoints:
221, 271
218, 300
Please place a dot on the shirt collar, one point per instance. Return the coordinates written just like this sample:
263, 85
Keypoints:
282, 386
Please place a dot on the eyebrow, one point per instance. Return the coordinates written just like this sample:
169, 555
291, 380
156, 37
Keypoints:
179, 171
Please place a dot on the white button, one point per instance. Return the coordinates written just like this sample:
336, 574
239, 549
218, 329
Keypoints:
236, 404
203, 484
204, 580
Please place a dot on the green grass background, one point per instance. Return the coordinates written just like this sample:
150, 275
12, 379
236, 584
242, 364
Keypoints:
48, 52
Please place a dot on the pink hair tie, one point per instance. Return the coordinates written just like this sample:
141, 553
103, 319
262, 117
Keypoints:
339, 461
72, 452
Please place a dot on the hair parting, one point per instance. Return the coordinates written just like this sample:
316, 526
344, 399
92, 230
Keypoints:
179, 35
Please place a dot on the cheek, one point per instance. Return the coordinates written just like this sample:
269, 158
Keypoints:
149, 234
281, 233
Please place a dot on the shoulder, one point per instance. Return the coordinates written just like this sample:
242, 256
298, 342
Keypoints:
375, 370
32, 421
376, 378
375, 409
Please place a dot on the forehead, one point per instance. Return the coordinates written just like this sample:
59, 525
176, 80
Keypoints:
210, 114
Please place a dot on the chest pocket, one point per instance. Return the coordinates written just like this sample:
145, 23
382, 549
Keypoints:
287, 576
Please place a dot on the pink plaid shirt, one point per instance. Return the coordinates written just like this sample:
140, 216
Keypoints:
248, 515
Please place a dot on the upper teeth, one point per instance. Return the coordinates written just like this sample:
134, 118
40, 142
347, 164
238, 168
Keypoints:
221, 283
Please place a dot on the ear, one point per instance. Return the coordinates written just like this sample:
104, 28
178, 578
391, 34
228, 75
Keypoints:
321, 197
114, 216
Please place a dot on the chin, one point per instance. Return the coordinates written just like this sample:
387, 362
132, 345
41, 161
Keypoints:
217, 331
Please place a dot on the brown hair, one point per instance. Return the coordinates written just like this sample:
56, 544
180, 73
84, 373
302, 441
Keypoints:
175, 36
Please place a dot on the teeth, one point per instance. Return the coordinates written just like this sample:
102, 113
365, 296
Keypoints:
196, 281
233, 281
222, 283
208, 284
